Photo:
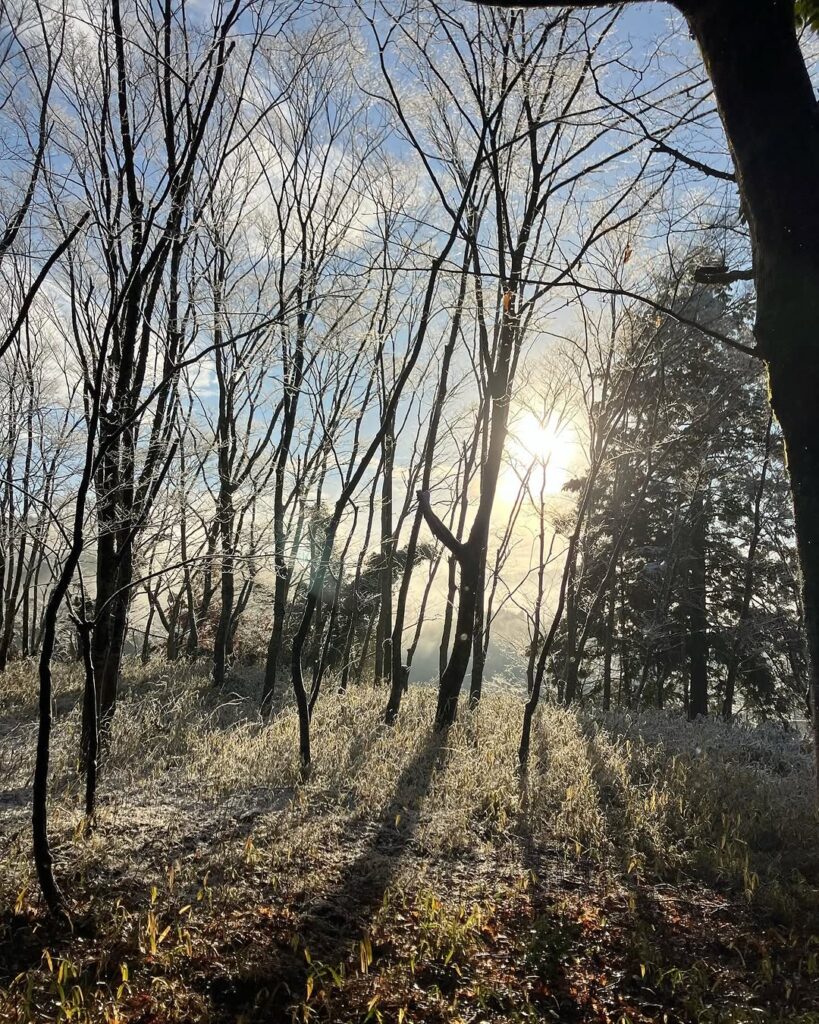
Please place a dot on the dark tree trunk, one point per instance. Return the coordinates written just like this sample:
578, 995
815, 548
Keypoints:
114, 572
449, 613
453, 676
108, 636
569, 675
399, 675
108, 683
478, 645
383, 654
769, 110
608, 641
472, 554
302, 704
222, 643
294, 377
92, 753
697, 612
145, 654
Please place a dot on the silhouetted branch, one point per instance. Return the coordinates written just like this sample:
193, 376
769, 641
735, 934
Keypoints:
439, 528
722, 275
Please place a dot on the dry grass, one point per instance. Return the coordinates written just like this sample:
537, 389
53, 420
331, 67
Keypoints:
213, 864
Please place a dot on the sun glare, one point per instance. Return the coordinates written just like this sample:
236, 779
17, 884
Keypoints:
545, 446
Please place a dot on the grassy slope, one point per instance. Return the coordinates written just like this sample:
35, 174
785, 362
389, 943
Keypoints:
648, 870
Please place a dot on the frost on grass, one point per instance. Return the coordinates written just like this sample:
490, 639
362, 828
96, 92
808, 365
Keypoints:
643, 861
640, 792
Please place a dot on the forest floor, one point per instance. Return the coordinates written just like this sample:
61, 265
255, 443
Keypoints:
647, 870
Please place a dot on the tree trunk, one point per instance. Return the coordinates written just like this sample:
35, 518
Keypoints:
294, 374
108, 683
478, 645
608, 641
92, 753
748, 582
697, 612
453, 676
383, 654
570, 666
222, 640
399, 675
769, 110
114, 571
472, 554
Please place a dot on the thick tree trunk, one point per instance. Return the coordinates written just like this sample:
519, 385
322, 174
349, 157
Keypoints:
802, 440
453, 676
105, 585
478, 636
769, 110
108, 683
43, 861
114, 573
449, 613
90, 710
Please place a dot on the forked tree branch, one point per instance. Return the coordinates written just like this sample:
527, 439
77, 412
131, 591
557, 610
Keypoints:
439, 528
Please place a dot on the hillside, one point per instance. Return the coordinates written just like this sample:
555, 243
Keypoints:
647, 869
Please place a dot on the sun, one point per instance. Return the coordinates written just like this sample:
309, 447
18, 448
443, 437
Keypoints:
545, 449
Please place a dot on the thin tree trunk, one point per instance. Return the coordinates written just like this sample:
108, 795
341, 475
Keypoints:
748, 582
222, 640
697, 612
383, 647
399, 675
608, 641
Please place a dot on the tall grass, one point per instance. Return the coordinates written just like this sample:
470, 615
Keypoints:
641, 794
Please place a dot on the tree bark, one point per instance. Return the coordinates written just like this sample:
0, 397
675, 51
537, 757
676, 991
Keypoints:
697, 612
383, 654
398, 673
769, 111
471, 554
222, 640
748, 582
768, 107
608, 640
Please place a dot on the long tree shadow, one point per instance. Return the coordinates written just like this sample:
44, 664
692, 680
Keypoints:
264, 971
339, 914
331, 918
346, 908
